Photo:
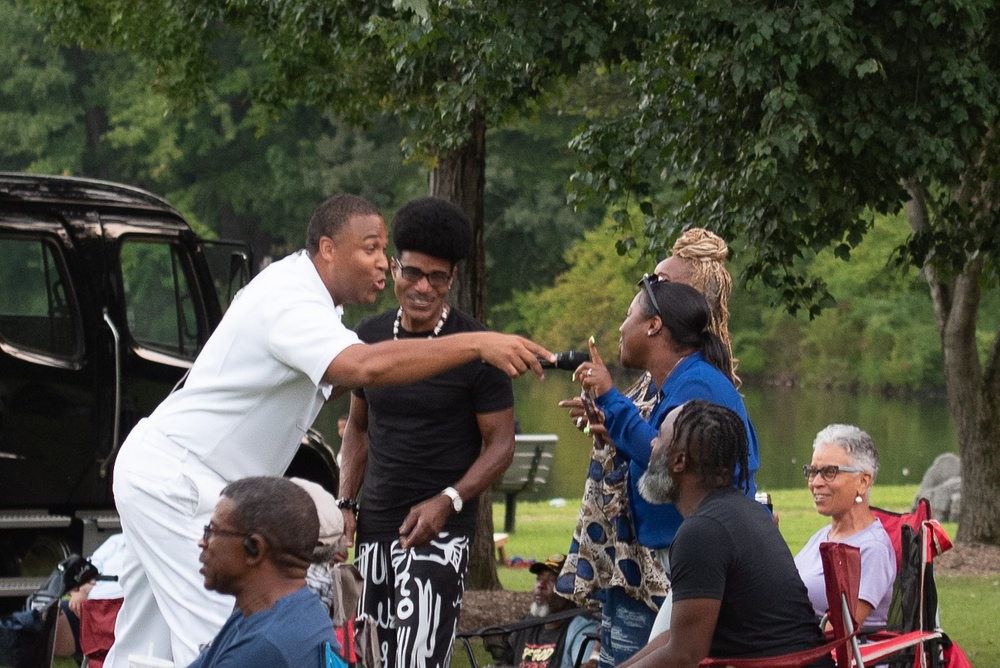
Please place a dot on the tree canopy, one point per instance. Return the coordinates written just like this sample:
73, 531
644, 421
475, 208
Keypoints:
790, 125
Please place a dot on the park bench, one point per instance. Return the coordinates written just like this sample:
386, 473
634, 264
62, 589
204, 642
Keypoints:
533, 455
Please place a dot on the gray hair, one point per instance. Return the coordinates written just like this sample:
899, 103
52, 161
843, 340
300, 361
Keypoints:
854, 442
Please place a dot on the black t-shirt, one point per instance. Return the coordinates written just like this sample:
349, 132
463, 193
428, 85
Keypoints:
729, 549
536, 647
423, 437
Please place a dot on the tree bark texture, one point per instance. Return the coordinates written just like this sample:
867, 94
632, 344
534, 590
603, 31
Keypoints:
95, 117
973, 388
460, 177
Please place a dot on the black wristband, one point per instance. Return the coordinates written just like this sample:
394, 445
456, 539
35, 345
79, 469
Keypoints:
349, 504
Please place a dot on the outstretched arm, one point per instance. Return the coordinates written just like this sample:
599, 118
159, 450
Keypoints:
401, 362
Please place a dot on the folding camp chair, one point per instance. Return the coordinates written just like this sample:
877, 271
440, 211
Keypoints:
493, 637
97, 629
917, 539
27, 639
842, 572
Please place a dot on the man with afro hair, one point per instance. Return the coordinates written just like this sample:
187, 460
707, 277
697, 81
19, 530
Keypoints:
420, 454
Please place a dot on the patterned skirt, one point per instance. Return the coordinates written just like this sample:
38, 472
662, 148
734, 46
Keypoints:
605, 552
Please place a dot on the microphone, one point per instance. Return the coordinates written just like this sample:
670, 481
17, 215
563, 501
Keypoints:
567, 361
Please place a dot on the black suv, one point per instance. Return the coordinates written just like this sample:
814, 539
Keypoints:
106, 296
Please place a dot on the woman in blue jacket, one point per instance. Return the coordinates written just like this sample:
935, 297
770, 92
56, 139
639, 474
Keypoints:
666, 333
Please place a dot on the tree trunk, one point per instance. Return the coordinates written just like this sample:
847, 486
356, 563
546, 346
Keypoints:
973, 389
95, 118
460, 177
233, 225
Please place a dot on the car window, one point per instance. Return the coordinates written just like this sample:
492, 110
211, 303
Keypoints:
160, 306
35, 312
229, 264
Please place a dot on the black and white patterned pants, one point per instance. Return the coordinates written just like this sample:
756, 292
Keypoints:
413, 597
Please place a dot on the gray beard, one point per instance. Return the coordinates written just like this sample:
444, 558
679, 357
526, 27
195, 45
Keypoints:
658, 487
539, 609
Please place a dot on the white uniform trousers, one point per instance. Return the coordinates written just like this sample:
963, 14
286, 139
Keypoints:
165, 496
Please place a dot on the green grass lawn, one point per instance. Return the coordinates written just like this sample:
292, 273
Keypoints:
970, 605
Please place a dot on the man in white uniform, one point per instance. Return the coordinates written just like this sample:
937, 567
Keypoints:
280, 351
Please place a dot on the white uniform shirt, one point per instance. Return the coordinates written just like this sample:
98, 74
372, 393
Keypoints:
257, 385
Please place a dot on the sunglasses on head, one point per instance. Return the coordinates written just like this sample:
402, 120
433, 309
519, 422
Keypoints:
648, 281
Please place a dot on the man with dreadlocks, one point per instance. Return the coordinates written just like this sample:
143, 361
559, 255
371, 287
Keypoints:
728, 557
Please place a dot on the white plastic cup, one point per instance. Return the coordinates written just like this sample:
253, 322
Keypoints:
140, 661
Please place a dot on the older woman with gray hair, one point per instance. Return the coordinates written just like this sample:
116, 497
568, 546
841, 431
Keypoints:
843, 469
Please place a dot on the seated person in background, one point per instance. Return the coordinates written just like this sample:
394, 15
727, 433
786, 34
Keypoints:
557, 643
107, 559
843, 470
338, 584
736, 592
257, 547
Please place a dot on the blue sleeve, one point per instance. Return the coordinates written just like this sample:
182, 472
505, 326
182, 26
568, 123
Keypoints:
261, 653
693, 387
626, 428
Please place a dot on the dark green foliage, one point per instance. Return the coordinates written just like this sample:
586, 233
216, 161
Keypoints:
789, 124
529, 228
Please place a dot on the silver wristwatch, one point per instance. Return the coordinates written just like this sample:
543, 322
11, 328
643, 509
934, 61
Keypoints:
456, 500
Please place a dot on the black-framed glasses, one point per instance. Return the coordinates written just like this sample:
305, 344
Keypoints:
210, 531
829, 473
648, 281
437, 279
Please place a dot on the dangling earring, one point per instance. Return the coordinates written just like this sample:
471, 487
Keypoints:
858, 499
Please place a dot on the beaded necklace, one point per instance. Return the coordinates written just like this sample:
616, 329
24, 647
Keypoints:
437, 327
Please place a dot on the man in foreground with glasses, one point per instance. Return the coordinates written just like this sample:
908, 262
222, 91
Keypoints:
840, 477
420, 454
736, 593
257, 547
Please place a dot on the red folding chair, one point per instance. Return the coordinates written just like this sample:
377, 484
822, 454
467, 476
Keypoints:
893, 524
917, 539
97, 629
842, 572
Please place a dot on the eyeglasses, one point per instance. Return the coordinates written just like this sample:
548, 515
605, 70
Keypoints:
829, 473
648, 281
437, 279
210, 531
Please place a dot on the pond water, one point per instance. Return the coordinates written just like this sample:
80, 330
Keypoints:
909, 433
